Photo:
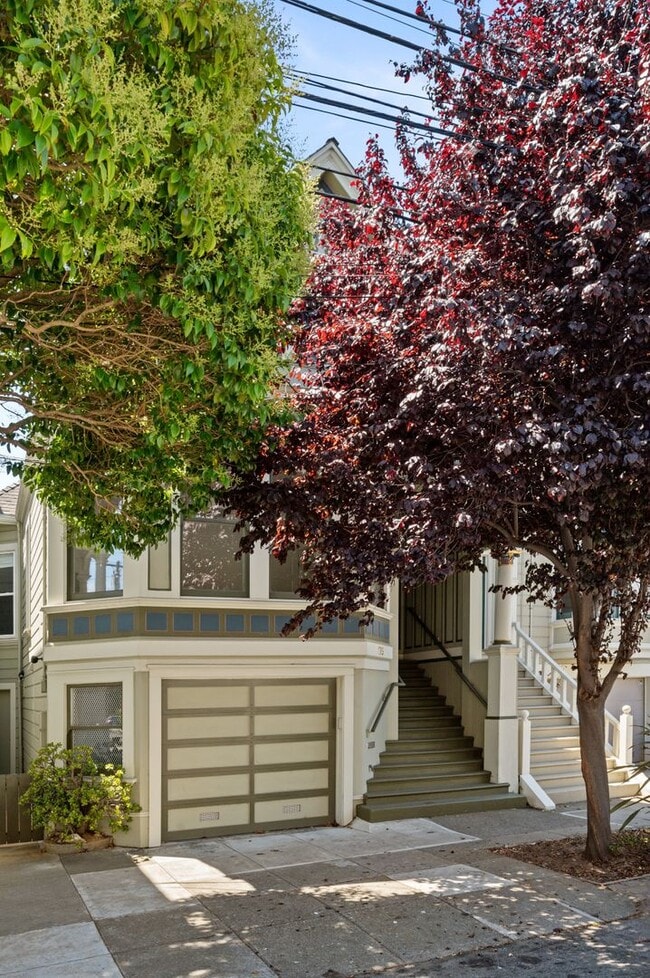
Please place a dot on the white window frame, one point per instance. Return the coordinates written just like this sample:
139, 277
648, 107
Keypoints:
13, 550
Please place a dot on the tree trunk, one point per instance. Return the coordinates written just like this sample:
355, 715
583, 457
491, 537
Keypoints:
591, 713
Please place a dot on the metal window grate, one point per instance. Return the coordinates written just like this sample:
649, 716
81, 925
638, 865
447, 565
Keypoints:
96, 721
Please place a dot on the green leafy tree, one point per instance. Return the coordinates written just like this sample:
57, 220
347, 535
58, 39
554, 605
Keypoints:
153, 228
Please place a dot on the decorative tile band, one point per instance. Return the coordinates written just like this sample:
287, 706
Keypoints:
196, 623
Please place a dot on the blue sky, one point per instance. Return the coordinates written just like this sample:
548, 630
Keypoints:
328, 48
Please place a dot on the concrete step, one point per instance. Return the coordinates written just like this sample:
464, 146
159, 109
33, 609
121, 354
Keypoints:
424, 712
537, 712
410, 725
390, 772
413, 788
556, 719
440, 754
484, 798
577, 792
557, 732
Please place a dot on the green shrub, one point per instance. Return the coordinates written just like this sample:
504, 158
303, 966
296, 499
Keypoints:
69, 794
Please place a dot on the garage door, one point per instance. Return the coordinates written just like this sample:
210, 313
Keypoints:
240, 756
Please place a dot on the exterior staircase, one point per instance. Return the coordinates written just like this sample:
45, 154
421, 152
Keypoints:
555, 747
432, 768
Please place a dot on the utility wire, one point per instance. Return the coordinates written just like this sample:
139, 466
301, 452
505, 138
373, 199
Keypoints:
367, 98
345, 81
402, 42
348, 118
421, 20
411, 16
397, 120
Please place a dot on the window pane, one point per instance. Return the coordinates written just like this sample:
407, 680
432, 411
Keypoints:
6, 573
94, 572
6, 614
284, 579
96, 721
208, 564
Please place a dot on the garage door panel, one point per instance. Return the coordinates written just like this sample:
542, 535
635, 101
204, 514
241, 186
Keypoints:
271, 782
289, 809
291, 723
285, 695
192, 758
204, 818
301, 752
209, 786
207, 697
203, 727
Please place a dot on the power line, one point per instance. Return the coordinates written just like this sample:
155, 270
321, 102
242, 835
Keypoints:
346, 81
402, 42
411, 16
367, 98
421, 30
397, 120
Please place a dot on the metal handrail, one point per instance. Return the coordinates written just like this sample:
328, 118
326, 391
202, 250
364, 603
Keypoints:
383, 704
438, 644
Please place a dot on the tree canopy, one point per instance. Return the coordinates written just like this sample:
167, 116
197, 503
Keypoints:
473, 344
153, 230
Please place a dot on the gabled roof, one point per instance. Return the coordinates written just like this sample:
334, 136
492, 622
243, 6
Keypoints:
9, 499
332, 170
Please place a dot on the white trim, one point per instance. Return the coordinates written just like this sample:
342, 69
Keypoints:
12, 721
155, 759
12, 548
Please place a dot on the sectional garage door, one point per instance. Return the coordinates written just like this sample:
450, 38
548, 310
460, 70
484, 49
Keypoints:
240, 756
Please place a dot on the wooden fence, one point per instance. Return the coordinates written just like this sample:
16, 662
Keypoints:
15, 821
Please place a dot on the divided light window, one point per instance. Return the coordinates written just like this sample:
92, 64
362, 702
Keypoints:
95, 720
94, 573
208, 566
7, 594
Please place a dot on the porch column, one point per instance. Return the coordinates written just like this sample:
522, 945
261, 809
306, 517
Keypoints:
501, 751
505, 605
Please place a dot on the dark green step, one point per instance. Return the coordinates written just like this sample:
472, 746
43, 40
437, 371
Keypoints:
404, 771
439, 755
479, 801
412, 788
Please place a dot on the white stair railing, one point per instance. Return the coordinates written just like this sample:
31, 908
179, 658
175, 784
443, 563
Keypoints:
563, 689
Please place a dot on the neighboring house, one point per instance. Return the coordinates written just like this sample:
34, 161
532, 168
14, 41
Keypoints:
173, 666
10, 761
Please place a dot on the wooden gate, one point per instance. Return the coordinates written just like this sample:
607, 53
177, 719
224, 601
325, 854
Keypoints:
15, 821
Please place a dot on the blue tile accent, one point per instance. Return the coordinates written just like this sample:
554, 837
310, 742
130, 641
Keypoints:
81, 625
59, 627
183, 621
308, 623
125, 621
234, 623
260, 623
330, 627
102, 624
351, 626
384, 630
209, 623
280, 622
156, 621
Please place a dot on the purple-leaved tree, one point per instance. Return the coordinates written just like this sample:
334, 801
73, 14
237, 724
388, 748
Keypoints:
473, 346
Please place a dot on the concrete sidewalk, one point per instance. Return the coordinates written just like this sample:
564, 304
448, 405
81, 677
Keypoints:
321, 903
